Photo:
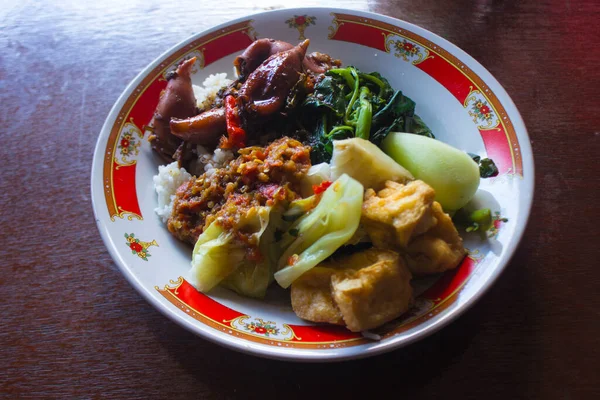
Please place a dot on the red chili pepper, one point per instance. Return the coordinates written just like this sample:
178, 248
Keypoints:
292, 259
320, 188
236, 134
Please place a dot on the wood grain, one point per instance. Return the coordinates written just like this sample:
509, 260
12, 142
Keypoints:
73, 328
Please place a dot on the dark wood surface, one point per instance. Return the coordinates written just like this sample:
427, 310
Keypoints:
72, 327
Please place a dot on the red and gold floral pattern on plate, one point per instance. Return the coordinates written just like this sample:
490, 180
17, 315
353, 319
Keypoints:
210, 312
139, 247
119, 161
479, 109
466, 86
406, 50
301, 22
128, 144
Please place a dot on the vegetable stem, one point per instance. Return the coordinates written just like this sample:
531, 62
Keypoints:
339, 129
373, 79
344, 73
347, 119
365, 114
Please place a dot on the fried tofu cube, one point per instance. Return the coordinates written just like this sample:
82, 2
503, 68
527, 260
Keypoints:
438, 250
406, 218
397, 213
362, 291
372, 294
312, 299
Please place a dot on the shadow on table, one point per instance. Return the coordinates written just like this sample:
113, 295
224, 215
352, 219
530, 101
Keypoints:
457, 356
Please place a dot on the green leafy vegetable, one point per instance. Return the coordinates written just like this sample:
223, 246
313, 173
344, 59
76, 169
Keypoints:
417, 126
350, 103
364, 115
487, 167
329, 94
319, 233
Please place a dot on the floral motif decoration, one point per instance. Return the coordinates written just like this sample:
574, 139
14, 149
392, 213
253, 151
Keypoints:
128, 143
259, 327
301, 22
407, 50
138, 247
262, 328
479, 109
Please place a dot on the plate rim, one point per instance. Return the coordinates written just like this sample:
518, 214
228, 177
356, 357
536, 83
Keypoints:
525, 202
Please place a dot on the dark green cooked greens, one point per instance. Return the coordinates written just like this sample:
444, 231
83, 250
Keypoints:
348, 103
487, 167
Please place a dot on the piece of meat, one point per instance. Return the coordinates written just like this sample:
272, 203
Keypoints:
257, 53
397, 213
312, 299
362, 291
204, 129
320, 63
439, 249
377, 292
267, 87
261, 49
178, 101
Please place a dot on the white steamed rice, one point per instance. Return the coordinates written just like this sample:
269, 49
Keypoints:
206, 93
166, 182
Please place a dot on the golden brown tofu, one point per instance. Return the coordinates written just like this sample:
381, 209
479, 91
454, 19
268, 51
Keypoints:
438, 250
406, 218
312, 299
397, 213
375, 294
362, 291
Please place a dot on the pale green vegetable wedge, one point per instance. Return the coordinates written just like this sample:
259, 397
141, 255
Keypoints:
319, 233
215, 256
365, 162
450, 172
253, 278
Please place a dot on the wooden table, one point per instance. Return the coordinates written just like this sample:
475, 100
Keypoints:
72, 327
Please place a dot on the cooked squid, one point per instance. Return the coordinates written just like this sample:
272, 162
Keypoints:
178, 101
267, 87
204, 129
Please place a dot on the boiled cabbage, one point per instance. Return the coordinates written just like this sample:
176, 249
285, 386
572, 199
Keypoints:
365, 162
250, 278
216, 254
319, 233
450, 172
253, 278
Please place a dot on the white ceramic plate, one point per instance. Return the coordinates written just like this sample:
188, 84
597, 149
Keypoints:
456, 97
